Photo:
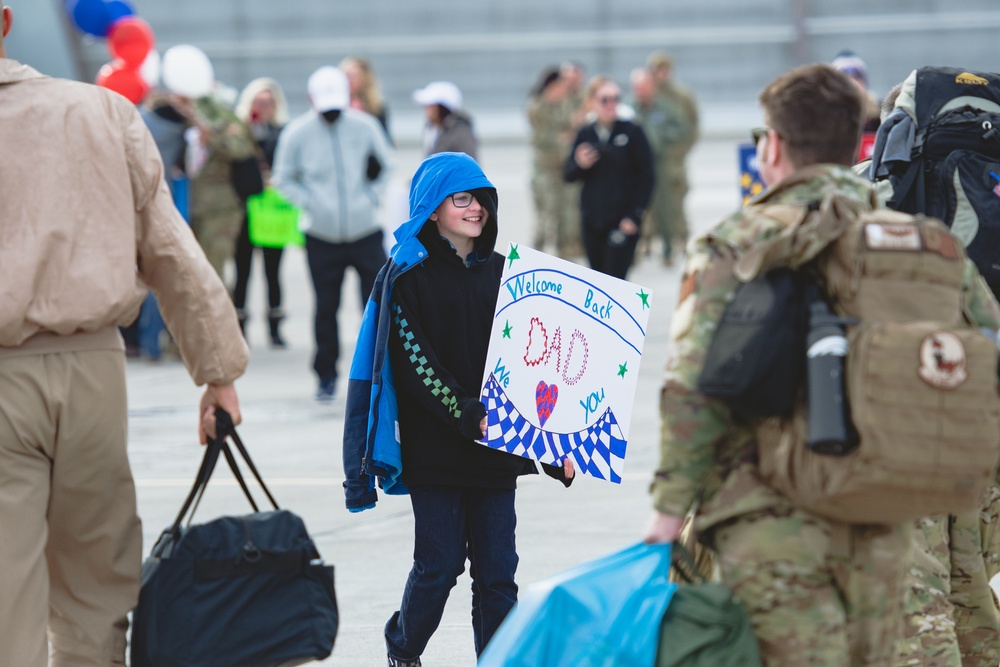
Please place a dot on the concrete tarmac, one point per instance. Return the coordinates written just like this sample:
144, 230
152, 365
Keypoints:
296, 442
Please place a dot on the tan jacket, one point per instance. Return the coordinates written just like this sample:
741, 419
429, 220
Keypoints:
87, 222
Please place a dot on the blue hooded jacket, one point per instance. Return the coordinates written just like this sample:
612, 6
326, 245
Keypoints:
371, 445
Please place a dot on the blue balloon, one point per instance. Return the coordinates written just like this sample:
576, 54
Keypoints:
92, 16
119, 9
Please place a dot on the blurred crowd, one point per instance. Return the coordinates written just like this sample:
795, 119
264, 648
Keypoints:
608, 180
609, 175
626, 185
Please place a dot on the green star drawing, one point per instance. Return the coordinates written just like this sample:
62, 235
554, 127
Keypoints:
645, 298
622, 369
507, 329
513, 255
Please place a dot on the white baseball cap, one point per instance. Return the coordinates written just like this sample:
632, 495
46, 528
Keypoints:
444, 93
328, 89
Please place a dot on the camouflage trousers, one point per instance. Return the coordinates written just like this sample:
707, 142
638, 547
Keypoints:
817, 592
952, 617
557, 209
217, 234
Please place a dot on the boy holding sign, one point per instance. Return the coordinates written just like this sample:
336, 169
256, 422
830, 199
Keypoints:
432, 310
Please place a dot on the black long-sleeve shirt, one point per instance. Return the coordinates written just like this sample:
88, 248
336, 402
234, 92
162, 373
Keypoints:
620, 183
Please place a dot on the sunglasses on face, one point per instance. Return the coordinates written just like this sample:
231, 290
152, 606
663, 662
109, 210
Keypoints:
462, 199
757, 134
610, 99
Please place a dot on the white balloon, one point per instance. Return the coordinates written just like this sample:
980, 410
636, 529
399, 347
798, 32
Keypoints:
150, 68
187, 71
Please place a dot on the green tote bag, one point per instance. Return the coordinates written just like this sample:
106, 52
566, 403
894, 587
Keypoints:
273, 221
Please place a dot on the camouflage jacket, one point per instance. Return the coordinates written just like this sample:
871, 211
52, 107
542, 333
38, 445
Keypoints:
228, 141
551, 131
708, 455
681, 130
657, 122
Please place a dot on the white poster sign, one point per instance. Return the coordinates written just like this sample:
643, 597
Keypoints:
563, 362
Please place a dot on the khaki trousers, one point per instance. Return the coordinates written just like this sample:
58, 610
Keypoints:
70, 539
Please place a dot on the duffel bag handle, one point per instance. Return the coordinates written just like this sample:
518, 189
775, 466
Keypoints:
224, 426
224, 429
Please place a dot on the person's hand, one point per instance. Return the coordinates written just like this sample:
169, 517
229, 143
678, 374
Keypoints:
217, 396
482, 426
628, 226
586, 155
568, 468
662, 528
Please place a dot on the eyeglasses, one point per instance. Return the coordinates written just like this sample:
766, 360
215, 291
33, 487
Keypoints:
610, 99
462, 199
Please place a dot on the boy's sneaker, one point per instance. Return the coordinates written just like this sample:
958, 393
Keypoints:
324, 394
399, 662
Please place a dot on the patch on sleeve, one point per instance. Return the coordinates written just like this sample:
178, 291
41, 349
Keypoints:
687, 287
683, 319
892, 237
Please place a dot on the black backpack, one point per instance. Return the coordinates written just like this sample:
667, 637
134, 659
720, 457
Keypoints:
950, 118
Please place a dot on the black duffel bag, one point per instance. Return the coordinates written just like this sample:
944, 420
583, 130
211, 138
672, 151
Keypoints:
240, 591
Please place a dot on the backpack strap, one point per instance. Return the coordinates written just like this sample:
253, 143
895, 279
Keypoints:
901, 191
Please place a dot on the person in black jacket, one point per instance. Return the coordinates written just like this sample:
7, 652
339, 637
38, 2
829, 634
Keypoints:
462, 492
263, 108
613, 159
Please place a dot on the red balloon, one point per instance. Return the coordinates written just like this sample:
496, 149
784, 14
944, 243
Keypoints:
130, 40
124, 80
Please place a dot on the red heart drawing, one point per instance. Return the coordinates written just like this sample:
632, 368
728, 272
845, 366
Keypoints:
545, 401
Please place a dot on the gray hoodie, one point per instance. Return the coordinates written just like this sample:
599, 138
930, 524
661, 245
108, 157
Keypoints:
323, 169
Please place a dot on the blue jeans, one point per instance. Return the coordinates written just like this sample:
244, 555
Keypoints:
450, 525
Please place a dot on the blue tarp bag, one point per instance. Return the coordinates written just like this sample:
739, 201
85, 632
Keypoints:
604, 613
240, 591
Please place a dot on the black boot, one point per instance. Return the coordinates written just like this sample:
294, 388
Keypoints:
274, 318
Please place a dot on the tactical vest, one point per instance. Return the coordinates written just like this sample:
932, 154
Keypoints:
921, 382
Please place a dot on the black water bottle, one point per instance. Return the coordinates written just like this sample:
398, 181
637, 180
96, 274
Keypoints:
826, 348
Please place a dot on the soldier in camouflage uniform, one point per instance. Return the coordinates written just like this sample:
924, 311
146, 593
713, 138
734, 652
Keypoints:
975, 560
655, 115
951, 616
215, 209
818, 592
550, 118
575, 110
680, 133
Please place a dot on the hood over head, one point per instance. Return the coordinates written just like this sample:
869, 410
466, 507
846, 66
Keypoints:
437, 177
